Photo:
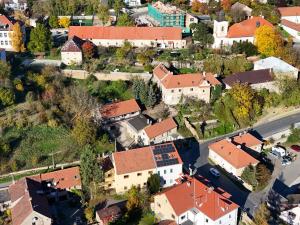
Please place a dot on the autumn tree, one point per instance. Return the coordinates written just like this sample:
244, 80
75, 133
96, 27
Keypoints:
17, 38
226, 5
88, 49
64, 22
84, 131
268, 40
133, 200
261, 216
103, 13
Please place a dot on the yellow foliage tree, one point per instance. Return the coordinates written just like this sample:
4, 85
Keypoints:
268, 40
64, 22
17, 38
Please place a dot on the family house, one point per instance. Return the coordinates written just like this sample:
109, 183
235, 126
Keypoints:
108, 215
290, 13
71, 52
192, 202
136, 125
134, 167
175, 87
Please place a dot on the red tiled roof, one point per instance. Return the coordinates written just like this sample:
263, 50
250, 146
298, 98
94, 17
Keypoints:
160, 128
126, 33
289, 11
247, 139
5, 21
64, 179
232, 154
169, 80
292, 25
208, 201
119, 108
247, 27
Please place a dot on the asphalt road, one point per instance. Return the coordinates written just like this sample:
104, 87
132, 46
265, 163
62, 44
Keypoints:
197, 157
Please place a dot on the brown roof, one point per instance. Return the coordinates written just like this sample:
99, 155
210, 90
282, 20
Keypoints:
169, 80
160, 128
119, 108
292, 25
247, 27
109, 213
208, 201
232, 154
250, 77
126, 33
167, 222
5, 21
64, 179
289, 11
246, 139
72, 45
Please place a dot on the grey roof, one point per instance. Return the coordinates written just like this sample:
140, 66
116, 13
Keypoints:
276, 64
139, 122
4, 195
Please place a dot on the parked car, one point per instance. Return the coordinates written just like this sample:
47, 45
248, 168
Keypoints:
285, 162
279, 149
295, 148
214, 172
275, 154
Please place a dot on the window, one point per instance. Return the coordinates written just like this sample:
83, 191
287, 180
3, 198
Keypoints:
125, 188
109, 185
165, 182
203, 90
62, 178
171, 181
222, 28
172, 91
171, 170
173, 216
179, 90
158, 205
5, 34
109, 175
139, 174
229, 215
6, 42
75, 177
191, 89
126, 176
165, 171
145, 184
150, 172
182, 217
0, 34
206, 220
158, 172
2, 42
220, 222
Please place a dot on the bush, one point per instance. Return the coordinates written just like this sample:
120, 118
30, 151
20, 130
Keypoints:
153, 183
294, 137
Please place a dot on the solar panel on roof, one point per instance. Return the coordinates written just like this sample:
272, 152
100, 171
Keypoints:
165, 156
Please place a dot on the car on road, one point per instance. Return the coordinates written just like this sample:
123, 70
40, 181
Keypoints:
214, 172
295, 148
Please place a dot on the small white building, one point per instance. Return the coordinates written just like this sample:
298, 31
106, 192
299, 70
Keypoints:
136, 125
292, 28
279, 67
15, 4
243, 31
291, 14
241, 8
71, 52
133, 3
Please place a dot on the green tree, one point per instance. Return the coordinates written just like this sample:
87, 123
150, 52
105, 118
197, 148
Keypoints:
7, 97
213, 64
124, 20
244, 47
269, 12
201, 34
103, 13
153, 183
236, 65
152, 97
123, 52
133, 199
118, 5
147, 219
40, 39
248, 175
84, 131
4, 72
53, 21
261, 216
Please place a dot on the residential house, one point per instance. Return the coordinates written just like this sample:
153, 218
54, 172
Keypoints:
136, 125
241, 11
119, 110
160, 37
247, 140
107, 215
243, 31
177, 87
192, 202
134, 167
14, 4
230, 156
71, 52
133, 3
257, 79
109, 173
191, 18
290, 13
165, 130
278, 66
6, 26
292, 28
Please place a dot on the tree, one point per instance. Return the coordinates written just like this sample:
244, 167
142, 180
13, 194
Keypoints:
84, 131
53, 21
226, 5
89, 214
269, 12
7, 97
123, 52
263, 174
103, 13
244, 47
133, 200
151, 98
124, 20
118, 5
199, 7
147, 219
88, 50
40, 39
248, 175
64, 22
153, 183
236, 65
213, 64
201, 34
4, 71
17, 38
261, 216
268, 40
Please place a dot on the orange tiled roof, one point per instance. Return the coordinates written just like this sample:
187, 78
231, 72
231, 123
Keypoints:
247, 139
119, 108
64, 179
208, 201
247, 27
232, 154
289, 11
159, 128
292, 25
169, 80
4, 20
126, 33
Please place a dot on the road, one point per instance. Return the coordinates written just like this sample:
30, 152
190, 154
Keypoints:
197, 157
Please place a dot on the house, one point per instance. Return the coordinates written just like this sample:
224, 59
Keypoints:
71, 52
278, 66
291, 215
6, 26
290, 13
292, 28
191, 18
247, 140
133, 3
136, 125
119, 110
175, 87
241, 10
27, 205
108, 173
192, 202
134, 167
257, 79
243, 31
229, 155
165, 130
107, 215
160, 37
15, 4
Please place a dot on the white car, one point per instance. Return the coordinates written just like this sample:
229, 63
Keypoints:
279, 149
214, 172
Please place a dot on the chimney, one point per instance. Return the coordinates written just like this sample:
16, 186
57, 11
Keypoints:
228, 139
240, 134
204, 73
188, 183
148, 121
210, 189
239, 146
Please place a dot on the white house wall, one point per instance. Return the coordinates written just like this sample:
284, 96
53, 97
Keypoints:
169, 174
295, 19
291, 31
